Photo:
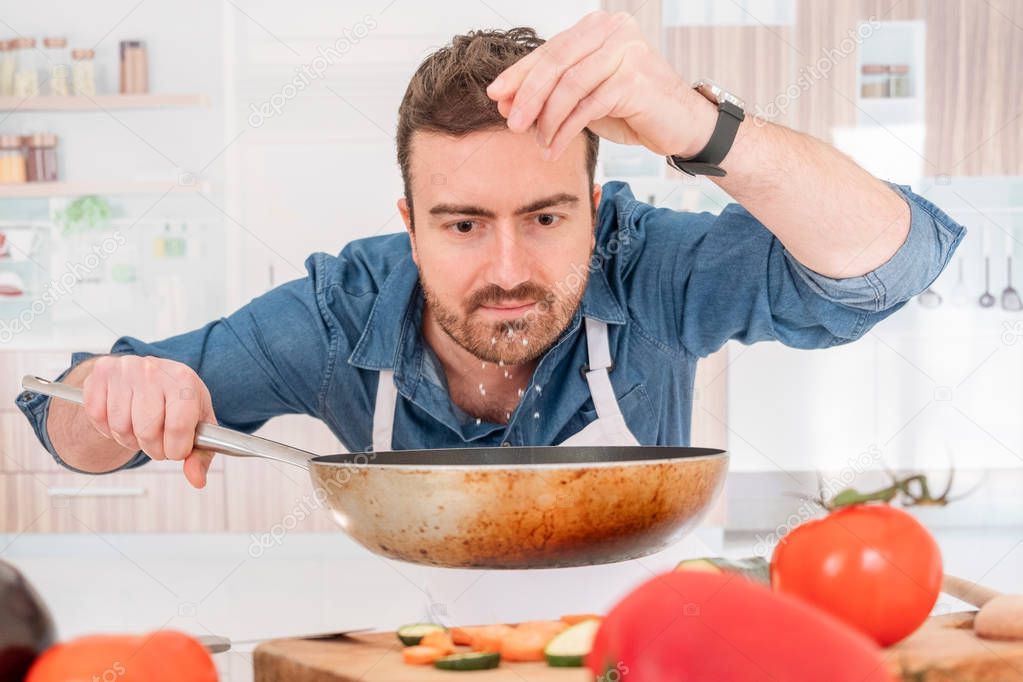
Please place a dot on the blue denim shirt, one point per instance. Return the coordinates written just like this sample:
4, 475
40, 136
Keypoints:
672, 287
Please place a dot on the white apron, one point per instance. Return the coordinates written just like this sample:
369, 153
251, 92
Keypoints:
473, 596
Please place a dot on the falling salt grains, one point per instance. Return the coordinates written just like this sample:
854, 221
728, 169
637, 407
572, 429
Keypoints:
478, 420
507, 415
538, 389
536, 415
525, 341
500, 363
493, 340
520, 392
484, 365
507, 375
483, 391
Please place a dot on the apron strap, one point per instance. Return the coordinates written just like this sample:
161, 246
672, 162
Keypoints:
383, 413
599, 350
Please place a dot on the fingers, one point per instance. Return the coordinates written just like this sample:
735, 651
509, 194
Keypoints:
575, 83
94, 393
183, 413
534, 77
593, 106
195, 467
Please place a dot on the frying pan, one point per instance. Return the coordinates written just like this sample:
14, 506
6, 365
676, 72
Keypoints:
495, 508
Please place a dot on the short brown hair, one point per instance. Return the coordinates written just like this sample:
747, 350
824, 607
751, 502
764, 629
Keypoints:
448, 94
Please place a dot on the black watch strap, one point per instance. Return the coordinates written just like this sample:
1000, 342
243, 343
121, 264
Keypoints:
717, 148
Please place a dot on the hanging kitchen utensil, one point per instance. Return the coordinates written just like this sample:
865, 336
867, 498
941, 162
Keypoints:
929, 298
1010, 297
501, 507
986, 300
960, 296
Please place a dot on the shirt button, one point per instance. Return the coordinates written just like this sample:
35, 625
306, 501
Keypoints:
505, 444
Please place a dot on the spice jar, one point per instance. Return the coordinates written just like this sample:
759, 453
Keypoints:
12, 159
83, 72
42, 157
875, 81
26, 75
134, 68
6, 68
57, 58
899, 82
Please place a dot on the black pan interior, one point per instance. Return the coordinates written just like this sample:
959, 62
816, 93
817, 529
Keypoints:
518, 455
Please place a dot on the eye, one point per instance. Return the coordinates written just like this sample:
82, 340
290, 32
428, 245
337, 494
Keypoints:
548, 219
463, 226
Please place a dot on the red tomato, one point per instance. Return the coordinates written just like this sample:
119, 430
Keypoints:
871, 565
718, 627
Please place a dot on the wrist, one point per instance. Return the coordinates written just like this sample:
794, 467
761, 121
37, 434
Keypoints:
700, 117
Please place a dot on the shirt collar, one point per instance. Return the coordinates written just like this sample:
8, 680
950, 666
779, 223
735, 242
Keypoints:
387, 333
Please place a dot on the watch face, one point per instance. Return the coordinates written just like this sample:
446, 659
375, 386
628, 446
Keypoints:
717, 94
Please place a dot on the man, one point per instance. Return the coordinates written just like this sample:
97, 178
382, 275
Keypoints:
525, 304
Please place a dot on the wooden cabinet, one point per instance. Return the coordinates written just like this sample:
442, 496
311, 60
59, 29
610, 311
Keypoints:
113, 503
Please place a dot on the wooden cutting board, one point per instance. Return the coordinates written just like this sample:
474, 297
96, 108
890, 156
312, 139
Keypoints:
943, 649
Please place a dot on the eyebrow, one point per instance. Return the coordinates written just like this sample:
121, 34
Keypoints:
559, 199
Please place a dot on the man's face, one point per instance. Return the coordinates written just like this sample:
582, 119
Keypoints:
502, 239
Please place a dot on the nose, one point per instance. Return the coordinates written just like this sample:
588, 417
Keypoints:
509, 258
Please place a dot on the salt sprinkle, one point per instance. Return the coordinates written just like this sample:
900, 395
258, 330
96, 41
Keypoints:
478, 420
500, 363
483, 391
525, 342
507, 375
520, 392
538, 389
493, 340
536, 415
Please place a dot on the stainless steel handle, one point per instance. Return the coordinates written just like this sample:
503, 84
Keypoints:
207, 436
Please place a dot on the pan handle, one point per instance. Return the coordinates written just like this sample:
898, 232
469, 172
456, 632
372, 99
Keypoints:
207, 436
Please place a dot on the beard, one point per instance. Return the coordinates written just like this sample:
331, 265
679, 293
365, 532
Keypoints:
515, 341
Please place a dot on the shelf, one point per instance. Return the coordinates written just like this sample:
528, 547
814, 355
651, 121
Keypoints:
36, 190
101, 102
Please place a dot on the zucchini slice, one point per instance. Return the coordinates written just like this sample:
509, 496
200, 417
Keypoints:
756, 569
569, 648
413, 633
472, 660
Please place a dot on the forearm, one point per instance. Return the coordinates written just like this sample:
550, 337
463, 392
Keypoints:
831, 215
75, 439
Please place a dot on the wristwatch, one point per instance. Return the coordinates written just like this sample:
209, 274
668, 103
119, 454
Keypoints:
731, 112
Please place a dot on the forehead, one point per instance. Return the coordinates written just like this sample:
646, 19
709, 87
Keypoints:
497, 169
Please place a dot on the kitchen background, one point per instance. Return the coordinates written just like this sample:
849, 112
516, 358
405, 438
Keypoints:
245, 135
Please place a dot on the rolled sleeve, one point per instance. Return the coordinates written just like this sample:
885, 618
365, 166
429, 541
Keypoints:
932, 239
36, 408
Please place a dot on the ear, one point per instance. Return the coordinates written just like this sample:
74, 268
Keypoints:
406, 217
597, 189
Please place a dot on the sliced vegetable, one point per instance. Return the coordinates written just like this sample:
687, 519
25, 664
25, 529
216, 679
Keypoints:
462, 636
871, 565
413, 633
525, 645
417, 654
573, 618
476, 660
569, 648
549, 626
753, 568
439, 639
490, 637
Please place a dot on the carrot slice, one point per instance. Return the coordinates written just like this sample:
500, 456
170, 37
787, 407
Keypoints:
573, 618
551, 626
463, 635
421, 655
439, 639
525, 645
489, 637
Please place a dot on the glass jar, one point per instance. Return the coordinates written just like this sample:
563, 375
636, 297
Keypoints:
7, 62
26, 75
83, 72
12, 159
874, 81
41, 157
57, 61
900, 84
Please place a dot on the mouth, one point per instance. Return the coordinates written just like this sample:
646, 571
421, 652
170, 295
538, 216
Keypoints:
507, 310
